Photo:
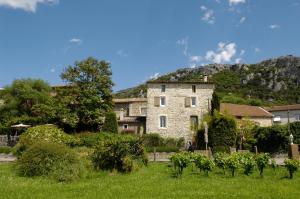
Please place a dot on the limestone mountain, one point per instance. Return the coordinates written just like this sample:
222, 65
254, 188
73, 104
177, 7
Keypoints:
273, 81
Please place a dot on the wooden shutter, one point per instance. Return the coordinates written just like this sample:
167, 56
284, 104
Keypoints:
156, 101
187, 102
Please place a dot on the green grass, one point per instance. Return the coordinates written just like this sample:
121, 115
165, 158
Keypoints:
152, 182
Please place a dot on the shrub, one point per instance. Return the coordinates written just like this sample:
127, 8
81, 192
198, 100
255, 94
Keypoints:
203, 163
180, 161
248, 162
5, 149
49, 159
232, 163
292, 166
110, 124
88, 139
161, 144
220, 160
262, 161
222, 132
119, 153
271, 139
152, 140
43, 133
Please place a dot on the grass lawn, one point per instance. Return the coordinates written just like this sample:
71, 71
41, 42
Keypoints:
152, 182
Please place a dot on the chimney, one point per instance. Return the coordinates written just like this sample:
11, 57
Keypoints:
122, 114
205, 78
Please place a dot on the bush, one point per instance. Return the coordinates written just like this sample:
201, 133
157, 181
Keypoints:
232, 163
262, 161
166, 149
119, 153
248, 162
50, 159
161, 144
5, 149
43, 133
271, 139
222, 132
88, 139
110, 124
292, 166
220, 160
203, 163
180, 161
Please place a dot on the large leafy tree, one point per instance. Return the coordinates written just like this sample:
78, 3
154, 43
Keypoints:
88, 96
27, 101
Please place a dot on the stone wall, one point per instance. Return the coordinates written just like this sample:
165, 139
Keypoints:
177, 114
135, 108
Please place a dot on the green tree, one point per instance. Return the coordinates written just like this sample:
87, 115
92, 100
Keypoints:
27, 101
110, 124
215, 103
89, 95
222, 132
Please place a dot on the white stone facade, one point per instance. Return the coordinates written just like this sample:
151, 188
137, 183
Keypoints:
177, 109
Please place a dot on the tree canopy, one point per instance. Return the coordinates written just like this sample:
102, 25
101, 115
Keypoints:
88, 96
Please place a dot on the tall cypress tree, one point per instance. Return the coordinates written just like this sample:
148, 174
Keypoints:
215, 103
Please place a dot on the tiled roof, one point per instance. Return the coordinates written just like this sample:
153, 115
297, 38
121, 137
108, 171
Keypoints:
125, 100
244, 110
284, 108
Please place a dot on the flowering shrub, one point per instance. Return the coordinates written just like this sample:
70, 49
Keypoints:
220, 160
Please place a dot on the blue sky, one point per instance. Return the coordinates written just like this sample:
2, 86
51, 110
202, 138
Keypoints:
141, 38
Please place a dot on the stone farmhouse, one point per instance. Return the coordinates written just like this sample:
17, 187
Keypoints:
171, 109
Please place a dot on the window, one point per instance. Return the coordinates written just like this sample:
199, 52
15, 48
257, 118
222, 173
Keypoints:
194, 101
163, 122
163, 88
162, 101
194, 88
143, 111
125, 126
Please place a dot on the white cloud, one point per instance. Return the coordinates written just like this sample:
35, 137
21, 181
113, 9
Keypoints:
257, 50
184, 43
224, 53
274, 26
242, 20
27, 5
235, 2
155, 76
238, 60
121, 53
195, 59
208, 15
52, 70
242, 52
76, 40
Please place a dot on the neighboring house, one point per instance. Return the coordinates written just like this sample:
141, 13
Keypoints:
131, 114
285, 114
174, 108
256, 114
